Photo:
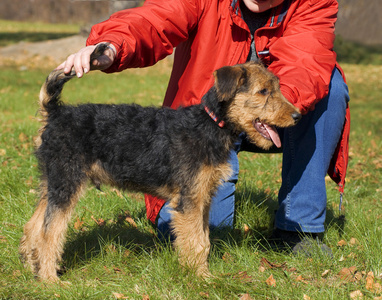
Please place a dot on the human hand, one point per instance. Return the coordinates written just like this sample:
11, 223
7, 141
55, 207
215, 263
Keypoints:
80, 61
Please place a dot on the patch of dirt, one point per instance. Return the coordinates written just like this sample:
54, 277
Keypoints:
47, 54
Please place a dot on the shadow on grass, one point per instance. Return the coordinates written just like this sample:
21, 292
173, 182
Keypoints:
8, 38
258, 234
254, 209
336, 220
84, 246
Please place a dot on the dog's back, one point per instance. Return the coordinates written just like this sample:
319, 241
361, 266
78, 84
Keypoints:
179, 155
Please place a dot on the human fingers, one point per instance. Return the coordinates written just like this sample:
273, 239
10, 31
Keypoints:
80, 61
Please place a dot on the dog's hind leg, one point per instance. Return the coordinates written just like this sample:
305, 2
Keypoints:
44, 235
32, 229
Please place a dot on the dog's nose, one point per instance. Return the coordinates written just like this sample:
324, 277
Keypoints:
296, 117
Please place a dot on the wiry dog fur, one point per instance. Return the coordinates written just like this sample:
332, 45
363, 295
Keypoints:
179, 155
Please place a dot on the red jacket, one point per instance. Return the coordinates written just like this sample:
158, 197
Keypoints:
296, 44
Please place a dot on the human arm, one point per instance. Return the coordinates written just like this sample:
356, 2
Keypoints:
303, 57
144, 35
137, 37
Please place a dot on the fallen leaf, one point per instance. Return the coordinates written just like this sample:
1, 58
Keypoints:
306, 297
262, 269
227, 257
341, 243
117, 270
350, 274
3, 152
377, 288
370, 281
270, 265
119, 296
353, 241
130, 220
243, 275
78, 224
247, 230
271, 281
118, 192
245, 297
356, 295
325, 273
100, 222
23, 137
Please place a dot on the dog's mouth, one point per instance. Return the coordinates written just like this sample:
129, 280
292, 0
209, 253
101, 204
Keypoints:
267, 131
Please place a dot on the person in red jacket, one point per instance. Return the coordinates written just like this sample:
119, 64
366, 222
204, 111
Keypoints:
294, 39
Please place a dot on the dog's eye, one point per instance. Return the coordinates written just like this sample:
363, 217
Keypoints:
264, 92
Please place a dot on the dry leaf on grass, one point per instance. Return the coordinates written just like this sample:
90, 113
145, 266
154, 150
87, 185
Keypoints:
371, 285
227, 257
243, 275
325, 273
120, 296
350, 274
130, 220
118, 192
78, 224
100, 221
245, 297
270, 265
356, 295
271, 281
369, 281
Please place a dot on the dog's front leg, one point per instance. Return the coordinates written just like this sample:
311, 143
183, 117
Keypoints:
191, 229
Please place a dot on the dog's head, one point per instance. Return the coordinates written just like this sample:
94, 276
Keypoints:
254, 102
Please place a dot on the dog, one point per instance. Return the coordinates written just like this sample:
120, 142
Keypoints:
179, 155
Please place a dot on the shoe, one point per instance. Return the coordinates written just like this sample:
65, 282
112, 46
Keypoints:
299, 243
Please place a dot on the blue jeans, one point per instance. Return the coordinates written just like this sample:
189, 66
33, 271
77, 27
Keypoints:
307, 151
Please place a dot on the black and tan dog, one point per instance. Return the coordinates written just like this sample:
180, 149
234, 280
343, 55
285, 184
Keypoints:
179, 155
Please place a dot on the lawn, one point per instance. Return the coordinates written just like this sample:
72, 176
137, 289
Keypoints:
112, 251
12, 31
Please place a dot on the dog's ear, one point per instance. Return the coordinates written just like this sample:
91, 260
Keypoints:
228, 80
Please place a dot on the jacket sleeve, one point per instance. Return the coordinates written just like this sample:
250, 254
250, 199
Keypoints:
303, 57
145, 35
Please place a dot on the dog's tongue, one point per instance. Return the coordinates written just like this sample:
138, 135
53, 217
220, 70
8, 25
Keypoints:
273, 135
268, 132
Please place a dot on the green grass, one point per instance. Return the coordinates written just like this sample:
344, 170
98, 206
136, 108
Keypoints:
126, 258
12, 31
119, 258
357, 53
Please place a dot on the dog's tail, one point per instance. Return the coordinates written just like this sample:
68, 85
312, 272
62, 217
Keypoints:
50, 93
